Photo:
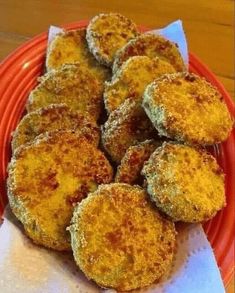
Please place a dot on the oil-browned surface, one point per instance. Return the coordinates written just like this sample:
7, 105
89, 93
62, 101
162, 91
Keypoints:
47, 177
129, 170
185, 107
152, 46
54, 117
185, 183
71, 84
208, 25
108, 32
120, 240
71, 47
126, 126
132, 78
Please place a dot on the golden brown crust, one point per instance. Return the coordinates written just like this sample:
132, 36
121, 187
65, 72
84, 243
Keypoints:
54, 117
132, 78
71, 47
185, 183
119, 239
185, 107
126, 126
71, 84
106, 33
50, 175
152, 46
129, 170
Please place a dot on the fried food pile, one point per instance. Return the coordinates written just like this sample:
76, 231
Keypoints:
112, 152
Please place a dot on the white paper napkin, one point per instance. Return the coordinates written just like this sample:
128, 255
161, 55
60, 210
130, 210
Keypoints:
27, 268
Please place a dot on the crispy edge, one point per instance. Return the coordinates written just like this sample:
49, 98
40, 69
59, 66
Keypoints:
75, 228
155, 168
132, 163
158, 113
112, 130
17, 205
90, 128
140, 43
92, 36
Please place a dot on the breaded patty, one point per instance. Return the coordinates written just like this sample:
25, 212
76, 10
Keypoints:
71, 84
71, 47
119, 239
129, 170
132, 78
126, 126
54, 117
185, 107
50, 175
152, 46
106, 33
185, 183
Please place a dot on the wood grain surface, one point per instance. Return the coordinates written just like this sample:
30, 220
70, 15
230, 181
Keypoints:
209, 26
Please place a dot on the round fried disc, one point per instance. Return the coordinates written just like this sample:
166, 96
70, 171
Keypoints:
72, 85
185, 183
185, 107
71, 47
108, 32
119, 239
132, 78
126, 126
54, 117
50, 175
152, 46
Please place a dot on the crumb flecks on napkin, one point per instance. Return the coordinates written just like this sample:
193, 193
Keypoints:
28, 268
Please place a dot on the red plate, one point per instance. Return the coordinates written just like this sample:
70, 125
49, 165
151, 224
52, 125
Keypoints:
18, 75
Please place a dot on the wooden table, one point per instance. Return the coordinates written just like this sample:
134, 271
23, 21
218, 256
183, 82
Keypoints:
208, 26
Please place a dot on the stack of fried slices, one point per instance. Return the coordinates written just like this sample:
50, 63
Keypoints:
115, 100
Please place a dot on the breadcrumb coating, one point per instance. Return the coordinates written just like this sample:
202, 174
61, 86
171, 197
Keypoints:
108, 32
72, 85
119, 239
126, 126
48, 177
132, 78
71, 47
54, 117
129, 170
185, 183
150, 45
185, 107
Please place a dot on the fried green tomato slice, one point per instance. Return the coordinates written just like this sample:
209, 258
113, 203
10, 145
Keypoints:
126, 126
71, 84
54, 117
152, 46
129, 170
47, 178
132, 78
108, 32
119, 239
71, 47
185, 107
185, 183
